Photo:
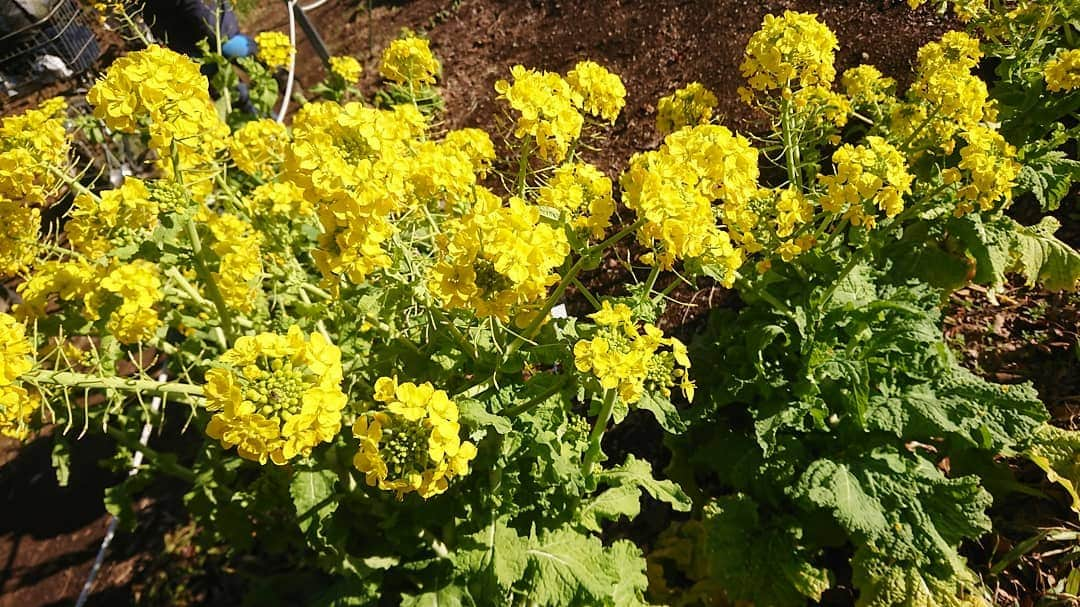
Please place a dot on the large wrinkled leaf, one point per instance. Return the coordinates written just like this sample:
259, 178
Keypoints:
754, 562
884, 583
1042, 258
568, 568
1057, 452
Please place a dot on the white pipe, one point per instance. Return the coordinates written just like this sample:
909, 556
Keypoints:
136, 461
292, 63
314, 5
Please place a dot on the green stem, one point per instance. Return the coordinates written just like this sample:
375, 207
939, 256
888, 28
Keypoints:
585, 292
597, 434
211, 285
454, 331
764, 295
71, 379
515, 410
650, 282
164, 464
786, 134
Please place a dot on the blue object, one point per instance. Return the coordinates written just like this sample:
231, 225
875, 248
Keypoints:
239, 46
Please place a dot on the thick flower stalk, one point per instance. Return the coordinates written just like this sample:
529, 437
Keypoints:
276, 396
632, 362
601, 92
691, 105
409, 61
869, 178
410, 442
547, 110
16, 404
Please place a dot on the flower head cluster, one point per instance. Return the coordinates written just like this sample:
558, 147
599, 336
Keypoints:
258, 146
583, 194
30, 143
113, 218
1062, 73
987, 171
347, 68
868, 178
411, 441
441, 172
865, 85
239, 268
353, 164
497, 260
965, 10
275, 50
946, 98
632, 361
17, 406
276, 396
547, 110
278, 201
476, 145
674, 189
790, 51
409, 61
69, 280
15, 354
691, 105
602, 93
19, 226
138, 287
164, 92
820, 106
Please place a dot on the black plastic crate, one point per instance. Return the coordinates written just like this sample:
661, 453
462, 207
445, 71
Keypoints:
64, 32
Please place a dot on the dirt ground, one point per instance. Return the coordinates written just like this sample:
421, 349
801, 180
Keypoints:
49, 535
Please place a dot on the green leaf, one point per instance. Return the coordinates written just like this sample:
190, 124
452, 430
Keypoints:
313, 495
988, 244
755, 562
664, 411
1042, 258
492, 559
638, 473
1048, 177
627, 564
61, 460
474, 415
448, 596
884, 583
610, 504
568, 568
1057, 453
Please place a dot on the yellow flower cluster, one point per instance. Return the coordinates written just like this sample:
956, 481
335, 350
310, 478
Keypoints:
865, 85
165, 92
874, 174
965, 10
258, 146
17, 406
673, 190
139, 288
602, 93
1062, 73
409, 61
239, 269
15, 353
411, 443
282, 201
30, 143
347, 68
353, 163
946, 98
476, 144
820, 105
691, 105
440, 172
582, 194
547, 110
790, 51
988, 170
275, 50
629, 361
276, 396
497, 260
68, 280
114, 218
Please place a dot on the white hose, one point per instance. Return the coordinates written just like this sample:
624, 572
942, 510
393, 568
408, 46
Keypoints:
136, 461
314, 5
292, 63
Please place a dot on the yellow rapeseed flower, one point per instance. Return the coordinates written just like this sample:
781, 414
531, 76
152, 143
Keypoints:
601, 92
15, 353
275, 50
409, 60
258, 146
582, 194
988, 171
410, 442
790, 51
347, 68
276, 396
1062, 73
868, 178
689, 106
113, 218
547, 110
